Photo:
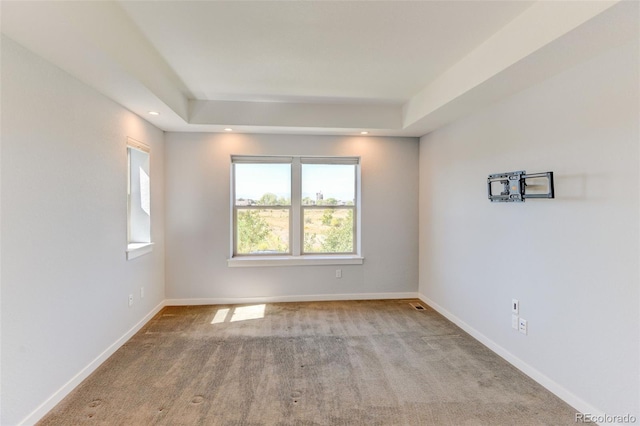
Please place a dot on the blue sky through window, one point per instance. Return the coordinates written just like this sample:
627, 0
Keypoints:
255, 180
333, 180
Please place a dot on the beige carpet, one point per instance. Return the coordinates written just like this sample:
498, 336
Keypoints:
320, 363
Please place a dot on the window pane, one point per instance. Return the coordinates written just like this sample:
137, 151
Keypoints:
262, 231
140, 197
263, 184
328, 184
328, 230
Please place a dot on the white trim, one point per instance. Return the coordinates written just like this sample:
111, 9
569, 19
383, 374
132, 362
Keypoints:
140, 146
305, 260
332, 160
266, 159
296, 298
551, 385
296, 232
138, 249
37, 414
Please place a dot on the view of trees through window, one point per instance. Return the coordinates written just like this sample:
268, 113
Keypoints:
328, 231
263, 208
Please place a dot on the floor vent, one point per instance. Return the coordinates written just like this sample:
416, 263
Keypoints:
417, 306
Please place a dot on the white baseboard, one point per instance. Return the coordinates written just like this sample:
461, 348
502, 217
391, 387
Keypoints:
59, 395
297, 298
561, 392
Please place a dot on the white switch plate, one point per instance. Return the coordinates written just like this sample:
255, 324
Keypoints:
514, 322
338, 273
515, 306
522, 326
130, 299
141, 292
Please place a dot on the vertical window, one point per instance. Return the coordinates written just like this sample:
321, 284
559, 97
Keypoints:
138, 199
295, 205
328, 207
262, 206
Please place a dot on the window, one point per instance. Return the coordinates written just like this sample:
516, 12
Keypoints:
300, 208
262, 208
138, 200
328, 206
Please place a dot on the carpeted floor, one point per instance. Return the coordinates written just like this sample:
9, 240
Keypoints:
319, 363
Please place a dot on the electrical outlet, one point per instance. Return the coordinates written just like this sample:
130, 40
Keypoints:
515, 306
338, 273
522, 326
131, 300
141, 292
514, 322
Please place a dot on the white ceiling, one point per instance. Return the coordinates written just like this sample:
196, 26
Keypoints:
318, 67
382, 51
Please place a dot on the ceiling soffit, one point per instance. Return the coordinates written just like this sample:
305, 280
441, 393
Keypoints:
101, 44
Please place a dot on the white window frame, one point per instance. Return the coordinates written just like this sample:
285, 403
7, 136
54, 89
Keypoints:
140, 246
296, 256
234, 208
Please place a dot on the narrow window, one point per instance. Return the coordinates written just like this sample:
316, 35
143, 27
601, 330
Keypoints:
138, 199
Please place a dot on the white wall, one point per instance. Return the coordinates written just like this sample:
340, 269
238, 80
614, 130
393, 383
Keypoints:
198, 229
572, 261
65, 280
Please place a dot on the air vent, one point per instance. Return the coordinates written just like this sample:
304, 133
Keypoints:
417, 306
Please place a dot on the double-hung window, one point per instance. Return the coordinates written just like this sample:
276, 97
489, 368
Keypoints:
295, 209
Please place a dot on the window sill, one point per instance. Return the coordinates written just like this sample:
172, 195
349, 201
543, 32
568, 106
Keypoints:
308, 260
138, 249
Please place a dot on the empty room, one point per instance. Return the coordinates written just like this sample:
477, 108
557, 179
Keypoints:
320, 212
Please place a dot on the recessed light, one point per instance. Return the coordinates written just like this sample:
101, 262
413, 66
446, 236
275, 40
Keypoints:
154, 113
364, 133
228, 129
